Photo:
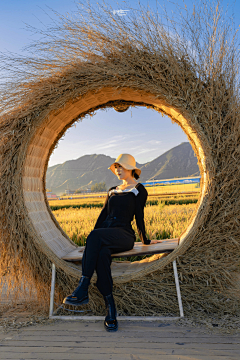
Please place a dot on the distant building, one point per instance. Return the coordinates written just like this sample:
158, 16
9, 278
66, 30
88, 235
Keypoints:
187, 180
69, 192
51, 196
86, 191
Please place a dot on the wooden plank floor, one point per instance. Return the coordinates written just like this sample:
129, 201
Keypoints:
70, 340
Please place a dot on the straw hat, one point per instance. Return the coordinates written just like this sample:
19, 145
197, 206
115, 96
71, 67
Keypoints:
127, 161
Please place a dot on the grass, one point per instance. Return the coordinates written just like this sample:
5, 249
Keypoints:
98, 203
166, 216
178, 189
162, 222
152, 190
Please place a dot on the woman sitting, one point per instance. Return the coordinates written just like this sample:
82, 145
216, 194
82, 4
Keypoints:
112, 233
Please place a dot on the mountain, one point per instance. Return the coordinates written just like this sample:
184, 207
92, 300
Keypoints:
81, 173
180, 161
87, 170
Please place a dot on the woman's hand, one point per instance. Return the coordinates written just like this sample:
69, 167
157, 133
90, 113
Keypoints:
155, 242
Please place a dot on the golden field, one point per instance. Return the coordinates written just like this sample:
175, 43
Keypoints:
155, 192
178, 188
152, 190
162, 222
76, 201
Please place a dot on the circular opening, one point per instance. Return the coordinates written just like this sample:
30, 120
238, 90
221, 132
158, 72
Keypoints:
51, 238
77, 178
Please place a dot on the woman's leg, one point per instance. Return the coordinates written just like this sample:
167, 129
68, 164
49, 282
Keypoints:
115, 240
80, 294
100, 244
103, 270
93, 246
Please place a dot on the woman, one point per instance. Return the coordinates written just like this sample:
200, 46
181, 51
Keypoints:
113, 233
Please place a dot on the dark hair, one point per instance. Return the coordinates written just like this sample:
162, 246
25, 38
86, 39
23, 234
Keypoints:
135, 175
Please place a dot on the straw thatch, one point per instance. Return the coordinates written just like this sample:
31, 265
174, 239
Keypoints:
186, 69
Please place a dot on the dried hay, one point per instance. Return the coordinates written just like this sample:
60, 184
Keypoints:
187, 70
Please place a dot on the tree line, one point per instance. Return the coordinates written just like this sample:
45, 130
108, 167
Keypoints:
99, 187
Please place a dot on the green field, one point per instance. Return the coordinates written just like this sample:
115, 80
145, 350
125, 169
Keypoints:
163, 193
152, 190
98, 203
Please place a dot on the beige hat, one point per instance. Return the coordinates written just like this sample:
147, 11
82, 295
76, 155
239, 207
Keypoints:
127, 161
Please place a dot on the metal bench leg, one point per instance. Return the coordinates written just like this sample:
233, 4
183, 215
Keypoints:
145, 318
178, 288
52, 290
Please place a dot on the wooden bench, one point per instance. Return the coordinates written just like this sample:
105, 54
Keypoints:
139, 249
166, 246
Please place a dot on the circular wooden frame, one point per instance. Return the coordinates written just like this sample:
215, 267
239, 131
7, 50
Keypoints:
48, 234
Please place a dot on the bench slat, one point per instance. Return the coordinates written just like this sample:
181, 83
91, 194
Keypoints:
167, 245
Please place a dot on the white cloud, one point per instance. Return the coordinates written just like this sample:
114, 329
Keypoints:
143, 135
154, 142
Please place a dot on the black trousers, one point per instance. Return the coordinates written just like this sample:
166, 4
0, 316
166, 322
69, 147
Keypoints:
100, 244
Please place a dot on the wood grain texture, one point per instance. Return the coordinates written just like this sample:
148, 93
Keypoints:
142, 341
139, 249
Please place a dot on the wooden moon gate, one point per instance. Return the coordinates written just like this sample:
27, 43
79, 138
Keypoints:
48, 235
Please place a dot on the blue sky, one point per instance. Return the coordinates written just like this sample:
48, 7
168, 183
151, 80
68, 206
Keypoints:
139, 131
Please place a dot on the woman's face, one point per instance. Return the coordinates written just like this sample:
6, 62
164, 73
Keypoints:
122, 173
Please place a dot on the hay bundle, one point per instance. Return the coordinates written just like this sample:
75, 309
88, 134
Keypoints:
98, 60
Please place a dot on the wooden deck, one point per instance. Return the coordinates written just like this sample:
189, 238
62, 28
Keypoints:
133, 341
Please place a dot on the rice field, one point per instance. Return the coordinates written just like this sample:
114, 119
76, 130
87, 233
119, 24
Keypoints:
174, 188
152, 190
162, 222
99, 201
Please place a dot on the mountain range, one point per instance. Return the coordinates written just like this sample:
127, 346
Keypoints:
87, 170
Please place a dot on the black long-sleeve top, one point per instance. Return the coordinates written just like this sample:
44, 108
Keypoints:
120, 208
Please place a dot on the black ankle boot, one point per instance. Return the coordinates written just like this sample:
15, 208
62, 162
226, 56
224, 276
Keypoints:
110, 322
80, 294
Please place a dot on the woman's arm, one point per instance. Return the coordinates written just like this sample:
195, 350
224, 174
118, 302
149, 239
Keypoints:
141, 199
103, 214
